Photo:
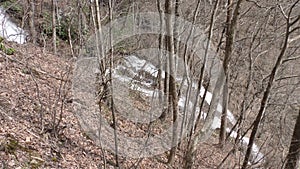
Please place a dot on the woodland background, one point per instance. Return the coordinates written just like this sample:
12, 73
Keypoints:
257, 42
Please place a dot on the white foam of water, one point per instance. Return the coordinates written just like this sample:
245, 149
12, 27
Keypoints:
138, 64
9, 30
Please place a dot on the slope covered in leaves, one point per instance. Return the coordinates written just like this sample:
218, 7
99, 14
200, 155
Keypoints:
38, 128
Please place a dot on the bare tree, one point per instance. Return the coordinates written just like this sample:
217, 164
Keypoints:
172, 76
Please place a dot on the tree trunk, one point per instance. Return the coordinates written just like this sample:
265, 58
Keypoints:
54, 26
31, 20
230, 31
293, 157
111, 65
172, 77
80, 13
176, 36
160, 56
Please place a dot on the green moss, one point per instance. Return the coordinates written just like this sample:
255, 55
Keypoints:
2, 47
10, 51
11, 146
54, 159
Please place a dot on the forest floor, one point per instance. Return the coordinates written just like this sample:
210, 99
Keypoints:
39, 129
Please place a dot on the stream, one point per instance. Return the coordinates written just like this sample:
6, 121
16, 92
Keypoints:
134, 64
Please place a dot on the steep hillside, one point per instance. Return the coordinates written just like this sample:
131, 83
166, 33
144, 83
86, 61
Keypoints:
38, 129
59, 78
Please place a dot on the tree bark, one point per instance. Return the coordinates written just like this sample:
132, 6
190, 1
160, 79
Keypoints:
160, 60
54, 26
80, 13
293, 157
172, 77
31, 20
111, 65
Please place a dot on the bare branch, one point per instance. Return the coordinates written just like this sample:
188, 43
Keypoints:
296, 20
292, 7
287, 77
293, 30
282, 11
290, 59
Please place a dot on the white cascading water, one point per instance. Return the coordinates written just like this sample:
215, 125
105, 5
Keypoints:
9, 30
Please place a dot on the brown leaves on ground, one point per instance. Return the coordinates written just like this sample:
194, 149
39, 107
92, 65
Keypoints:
38, 129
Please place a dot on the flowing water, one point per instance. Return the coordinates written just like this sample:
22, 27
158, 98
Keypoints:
9, 30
